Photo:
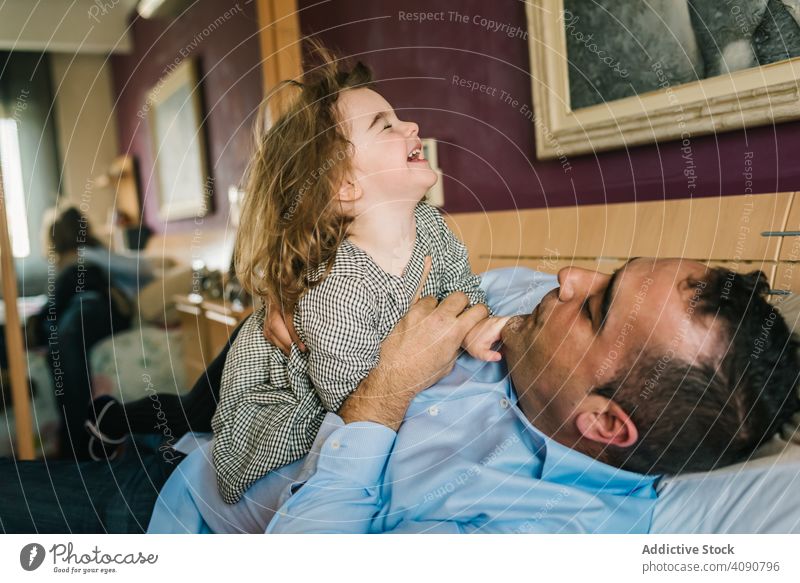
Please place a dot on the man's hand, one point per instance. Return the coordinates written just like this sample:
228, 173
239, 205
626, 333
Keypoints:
420, 350
279, 329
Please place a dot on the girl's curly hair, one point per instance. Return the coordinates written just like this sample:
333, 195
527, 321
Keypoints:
291, 223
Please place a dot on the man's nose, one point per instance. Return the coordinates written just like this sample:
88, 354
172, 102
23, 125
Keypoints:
576, 282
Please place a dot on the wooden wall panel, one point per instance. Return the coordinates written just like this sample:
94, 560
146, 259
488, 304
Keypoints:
279, 39
790, 246
721, 231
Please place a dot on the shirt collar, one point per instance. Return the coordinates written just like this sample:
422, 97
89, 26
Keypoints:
564, 465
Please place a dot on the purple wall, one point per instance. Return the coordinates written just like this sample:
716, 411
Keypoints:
487, 146
229, 64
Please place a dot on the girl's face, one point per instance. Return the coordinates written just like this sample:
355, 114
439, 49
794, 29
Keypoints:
388, 164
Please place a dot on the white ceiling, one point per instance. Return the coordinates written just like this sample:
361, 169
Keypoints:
66, 26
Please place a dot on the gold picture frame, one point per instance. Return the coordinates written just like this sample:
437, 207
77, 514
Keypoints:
174, 112
757, 96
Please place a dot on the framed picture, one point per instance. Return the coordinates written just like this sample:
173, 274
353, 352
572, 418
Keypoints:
175, 119
613, 73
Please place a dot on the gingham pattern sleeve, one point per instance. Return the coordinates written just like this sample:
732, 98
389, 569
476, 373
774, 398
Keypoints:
457, 276
341, 331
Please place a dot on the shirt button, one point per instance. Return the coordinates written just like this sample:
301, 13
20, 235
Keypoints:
433, 411
335, 445
504, 403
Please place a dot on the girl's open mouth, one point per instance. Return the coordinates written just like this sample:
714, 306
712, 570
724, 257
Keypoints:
416, 155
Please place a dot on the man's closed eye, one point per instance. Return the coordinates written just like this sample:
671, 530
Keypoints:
587, 311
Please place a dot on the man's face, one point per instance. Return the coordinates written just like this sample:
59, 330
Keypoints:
594, 327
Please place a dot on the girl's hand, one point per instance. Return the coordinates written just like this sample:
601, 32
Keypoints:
483, 336
279, 329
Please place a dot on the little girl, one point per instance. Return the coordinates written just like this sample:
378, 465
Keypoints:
333, 230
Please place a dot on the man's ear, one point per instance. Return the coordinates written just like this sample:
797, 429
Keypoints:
349, 191
603, 421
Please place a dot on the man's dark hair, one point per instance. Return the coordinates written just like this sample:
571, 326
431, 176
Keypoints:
695, 416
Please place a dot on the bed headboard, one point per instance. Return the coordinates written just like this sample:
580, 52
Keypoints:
733, 231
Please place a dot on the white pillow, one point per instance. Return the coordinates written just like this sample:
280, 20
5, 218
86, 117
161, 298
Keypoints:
789, 307
756, 496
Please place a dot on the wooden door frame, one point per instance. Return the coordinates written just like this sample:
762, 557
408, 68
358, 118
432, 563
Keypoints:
279, 39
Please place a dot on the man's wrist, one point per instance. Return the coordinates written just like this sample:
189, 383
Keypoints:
375, 400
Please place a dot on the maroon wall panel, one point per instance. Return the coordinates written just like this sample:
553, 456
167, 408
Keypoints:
223, 36
487, 145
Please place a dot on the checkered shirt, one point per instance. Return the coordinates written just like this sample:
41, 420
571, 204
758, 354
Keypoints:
271, 406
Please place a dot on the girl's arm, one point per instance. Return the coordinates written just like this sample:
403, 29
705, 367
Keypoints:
454, 272
458, 276
339, 320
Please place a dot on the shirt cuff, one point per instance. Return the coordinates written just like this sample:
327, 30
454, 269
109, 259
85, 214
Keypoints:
356, 451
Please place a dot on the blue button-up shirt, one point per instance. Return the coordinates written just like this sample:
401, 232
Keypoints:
464, 460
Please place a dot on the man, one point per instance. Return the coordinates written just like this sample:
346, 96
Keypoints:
661, 368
